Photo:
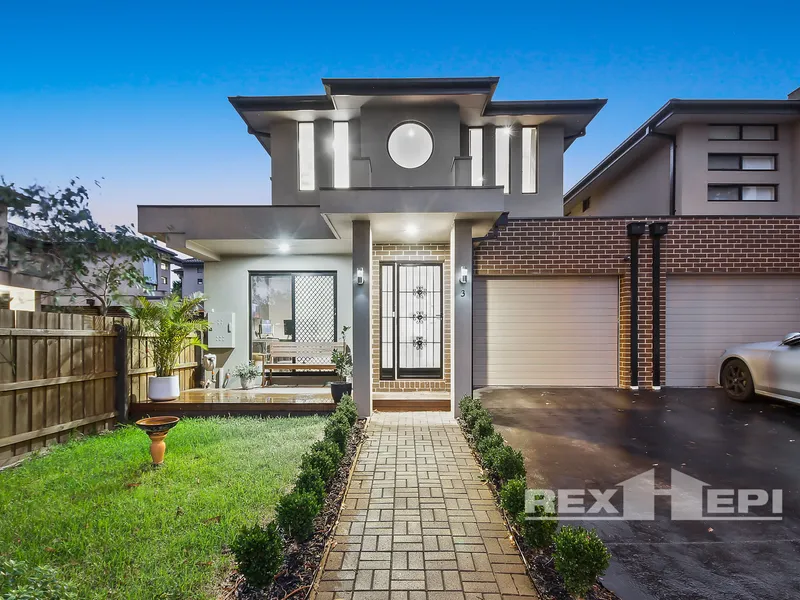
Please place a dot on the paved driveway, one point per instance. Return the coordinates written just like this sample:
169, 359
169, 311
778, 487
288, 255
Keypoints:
598, 438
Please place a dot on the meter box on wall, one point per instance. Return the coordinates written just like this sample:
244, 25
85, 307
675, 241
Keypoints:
220, 334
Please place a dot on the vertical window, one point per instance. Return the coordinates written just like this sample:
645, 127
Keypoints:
305, 156
530, 159
502, 157
341, 155
476, 153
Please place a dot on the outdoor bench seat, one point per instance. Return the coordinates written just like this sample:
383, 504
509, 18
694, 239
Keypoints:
290, 352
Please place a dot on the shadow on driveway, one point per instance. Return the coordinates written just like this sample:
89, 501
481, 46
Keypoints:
597, 438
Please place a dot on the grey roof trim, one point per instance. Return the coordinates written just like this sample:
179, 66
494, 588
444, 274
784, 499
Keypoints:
677, 106
275, 103
545, 107
411, 85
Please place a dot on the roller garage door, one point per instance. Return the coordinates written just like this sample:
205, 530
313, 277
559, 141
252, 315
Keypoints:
706, 314
548, 331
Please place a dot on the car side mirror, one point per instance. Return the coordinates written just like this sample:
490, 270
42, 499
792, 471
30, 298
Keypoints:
792, 339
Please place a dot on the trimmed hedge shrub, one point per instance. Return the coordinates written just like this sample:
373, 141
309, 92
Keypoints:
474, 415
296, 513
348, 408
580, 558
309, 480
540, 533
467, 405
19, 580
483, 428
506, 463
259, 553
337, 430
512, 497
319, 459
486, 444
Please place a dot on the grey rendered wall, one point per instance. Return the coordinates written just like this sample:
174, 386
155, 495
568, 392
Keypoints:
189, 283
227, 289
643, 189
461, 342
362, 317
693, 176
444, 124
549, 199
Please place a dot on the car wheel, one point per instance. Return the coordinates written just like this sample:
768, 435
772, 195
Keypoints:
737, 381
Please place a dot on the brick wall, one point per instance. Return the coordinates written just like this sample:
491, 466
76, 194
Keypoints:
597, 246
437, 253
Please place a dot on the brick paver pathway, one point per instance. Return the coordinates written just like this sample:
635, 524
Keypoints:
418, 522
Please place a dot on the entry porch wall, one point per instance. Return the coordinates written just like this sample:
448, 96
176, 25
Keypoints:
436, 253
600, 246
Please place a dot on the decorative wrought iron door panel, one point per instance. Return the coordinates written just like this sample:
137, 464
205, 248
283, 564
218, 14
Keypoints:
419, 334
314, 311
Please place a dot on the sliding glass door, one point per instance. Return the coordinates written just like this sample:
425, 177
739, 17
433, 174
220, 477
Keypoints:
292, 306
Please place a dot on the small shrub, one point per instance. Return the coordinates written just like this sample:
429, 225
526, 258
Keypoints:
19, 580
482, 428
580, 558
296, 513
337, 430
512, 497
539, 533
259, 553
310, 481
506, 463
348, 408
485, 444
319, 459
467, 405
474, 416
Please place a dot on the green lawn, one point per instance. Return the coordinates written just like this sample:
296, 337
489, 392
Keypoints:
117, 528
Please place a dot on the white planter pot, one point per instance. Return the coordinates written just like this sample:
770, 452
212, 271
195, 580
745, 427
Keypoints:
245, 383
161, 389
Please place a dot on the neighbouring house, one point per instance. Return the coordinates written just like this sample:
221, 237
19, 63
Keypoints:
190, 272
430, 217
29, 284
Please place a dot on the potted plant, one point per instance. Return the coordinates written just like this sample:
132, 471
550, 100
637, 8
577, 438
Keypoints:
343, 361
246, 372
174, 324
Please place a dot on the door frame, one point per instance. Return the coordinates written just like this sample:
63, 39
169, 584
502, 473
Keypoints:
432, 373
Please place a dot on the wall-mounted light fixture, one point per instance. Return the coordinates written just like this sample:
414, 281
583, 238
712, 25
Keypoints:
360, 275
464, 273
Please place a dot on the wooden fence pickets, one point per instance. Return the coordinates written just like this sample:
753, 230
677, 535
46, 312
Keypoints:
57, 375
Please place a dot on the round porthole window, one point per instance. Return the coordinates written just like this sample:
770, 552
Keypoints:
410, 145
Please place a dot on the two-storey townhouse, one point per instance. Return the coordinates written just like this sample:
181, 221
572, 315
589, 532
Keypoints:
381, 191
191, 273
721, 178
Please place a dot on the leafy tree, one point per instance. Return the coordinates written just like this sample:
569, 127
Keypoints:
71, 248
177, 288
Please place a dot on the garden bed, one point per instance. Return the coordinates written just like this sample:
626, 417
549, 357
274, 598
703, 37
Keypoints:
540, 563
303, 560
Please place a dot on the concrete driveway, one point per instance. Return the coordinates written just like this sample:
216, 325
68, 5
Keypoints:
599, 438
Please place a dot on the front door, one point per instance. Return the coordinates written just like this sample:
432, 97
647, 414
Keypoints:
412, 342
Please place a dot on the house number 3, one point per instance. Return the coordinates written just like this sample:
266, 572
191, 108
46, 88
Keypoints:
463, 293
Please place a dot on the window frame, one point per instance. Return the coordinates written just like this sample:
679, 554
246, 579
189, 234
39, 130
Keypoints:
741, 161
740, 187
313, 187
534, 158
499, 134
200, 281
482, 171
427, 131
741, 137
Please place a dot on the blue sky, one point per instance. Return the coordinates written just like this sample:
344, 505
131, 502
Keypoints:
135, 93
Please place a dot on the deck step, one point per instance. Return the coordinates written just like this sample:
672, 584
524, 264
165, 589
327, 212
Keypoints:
408, 405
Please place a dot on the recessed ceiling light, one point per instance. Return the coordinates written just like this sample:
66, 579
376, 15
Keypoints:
507, 130
283, 248
412, 229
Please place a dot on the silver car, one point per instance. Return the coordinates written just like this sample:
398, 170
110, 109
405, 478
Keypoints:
767, 368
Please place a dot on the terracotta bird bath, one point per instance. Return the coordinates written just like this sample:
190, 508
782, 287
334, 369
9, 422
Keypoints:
157, 428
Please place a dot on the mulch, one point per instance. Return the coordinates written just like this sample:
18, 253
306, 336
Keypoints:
540, 563
302, 561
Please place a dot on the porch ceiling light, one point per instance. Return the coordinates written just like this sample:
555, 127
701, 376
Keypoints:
412, 229
283, 248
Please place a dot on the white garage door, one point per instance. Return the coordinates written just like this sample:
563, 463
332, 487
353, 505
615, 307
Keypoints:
548, 331
706, 314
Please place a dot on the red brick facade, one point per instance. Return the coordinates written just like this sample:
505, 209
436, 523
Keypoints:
597, 246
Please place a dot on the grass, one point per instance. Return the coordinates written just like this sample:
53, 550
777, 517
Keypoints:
118, 528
